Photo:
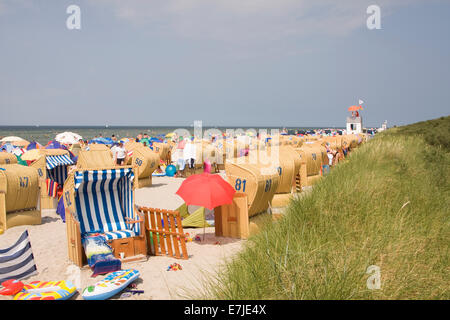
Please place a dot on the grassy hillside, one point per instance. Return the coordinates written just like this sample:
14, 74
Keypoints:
388, 206
435, 132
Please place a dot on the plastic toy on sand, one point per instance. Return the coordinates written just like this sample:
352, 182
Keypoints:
114, 283
11, 287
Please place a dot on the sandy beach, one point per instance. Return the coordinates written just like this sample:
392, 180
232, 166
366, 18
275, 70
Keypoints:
49, 244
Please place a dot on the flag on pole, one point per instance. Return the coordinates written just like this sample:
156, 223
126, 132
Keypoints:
360, 102
17, 261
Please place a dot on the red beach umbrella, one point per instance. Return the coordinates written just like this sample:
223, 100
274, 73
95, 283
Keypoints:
206, 190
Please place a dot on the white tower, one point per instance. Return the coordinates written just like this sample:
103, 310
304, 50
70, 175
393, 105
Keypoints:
354, 125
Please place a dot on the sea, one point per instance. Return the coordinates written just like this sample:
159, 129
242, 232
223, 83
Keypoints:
44, 134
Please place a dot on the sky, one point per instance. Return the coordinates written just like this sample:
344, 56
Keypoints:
293, 63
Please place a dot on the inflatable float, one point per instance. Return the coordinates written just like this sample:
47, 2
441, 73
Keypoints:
111, 285
46, 290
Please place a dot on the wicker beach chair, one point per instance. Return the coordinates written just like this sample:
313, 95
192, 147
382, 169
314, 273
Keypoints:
52, 166
102, 201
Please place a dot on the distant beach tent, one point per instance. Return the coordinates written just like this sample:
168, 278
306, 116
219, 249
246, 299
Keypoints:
55, 145
102, 140
34, 145
68, 137
17, 261
155, 139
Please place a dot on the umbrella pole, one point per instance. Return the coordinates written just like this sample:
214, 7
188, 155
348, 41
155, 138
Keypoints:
204, 224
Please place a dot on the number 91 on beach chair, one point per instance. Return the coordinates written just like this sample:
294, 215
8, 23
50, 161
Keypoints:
102, 201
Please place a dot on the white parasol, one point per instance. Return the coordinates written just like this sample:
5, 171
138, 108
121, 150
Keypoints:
12, 139
68, 138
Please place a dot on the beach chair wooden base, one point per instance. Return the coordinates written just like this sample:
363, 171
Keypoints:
231, 220
313, 179
48, 202
9, 220
164, 231
281, 200
144, 182
134, 248
137, 258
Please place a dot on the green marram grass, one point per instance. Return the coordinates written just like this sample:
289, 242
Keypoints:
387, 205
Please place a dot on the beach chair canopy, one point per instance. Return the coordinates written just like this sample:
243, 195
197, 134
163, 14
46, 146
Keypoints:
103, 198
58, 160
57, 167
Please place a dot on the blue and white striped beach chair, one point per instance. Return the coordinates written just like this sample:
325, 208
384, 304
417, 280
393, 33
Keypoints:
102, 201
57, 167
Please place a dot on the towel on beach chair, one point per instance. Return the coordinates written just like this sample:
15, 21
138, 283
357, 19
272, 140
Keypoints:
52, 188
99, 254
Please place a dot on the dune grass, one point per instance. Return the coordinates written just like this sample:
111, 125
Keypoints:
387, 205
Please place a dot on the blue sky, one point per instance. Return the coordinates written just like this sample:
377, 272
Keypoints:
225, 62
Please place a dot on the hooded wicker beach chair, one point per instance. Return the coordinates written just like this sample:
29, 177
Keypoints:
19, 196
102, 201
52, 166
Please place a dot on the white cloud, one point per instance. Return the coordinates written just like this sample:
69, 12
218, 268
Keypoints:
248, 20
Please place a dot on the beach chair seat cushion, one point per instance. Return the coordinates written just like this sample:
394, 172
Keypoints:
119, 234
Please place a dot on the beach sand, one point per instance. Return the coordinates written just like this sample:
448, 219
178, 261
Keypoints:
49, 245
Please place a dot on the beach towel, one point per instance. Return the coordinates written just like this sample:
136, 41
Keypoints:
99, 254
52, 188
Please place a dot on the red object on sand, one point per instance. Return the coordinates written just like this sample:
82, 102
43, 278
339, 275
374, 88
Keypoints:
12, 287
206, 190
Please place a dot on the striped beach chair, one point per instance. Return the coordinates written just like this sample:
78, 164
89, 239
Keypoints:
102, 201
52, 167
57, 167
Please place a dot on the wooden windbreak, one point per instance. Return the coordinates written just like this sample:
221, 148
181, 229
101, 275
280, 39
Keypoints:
165, 234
